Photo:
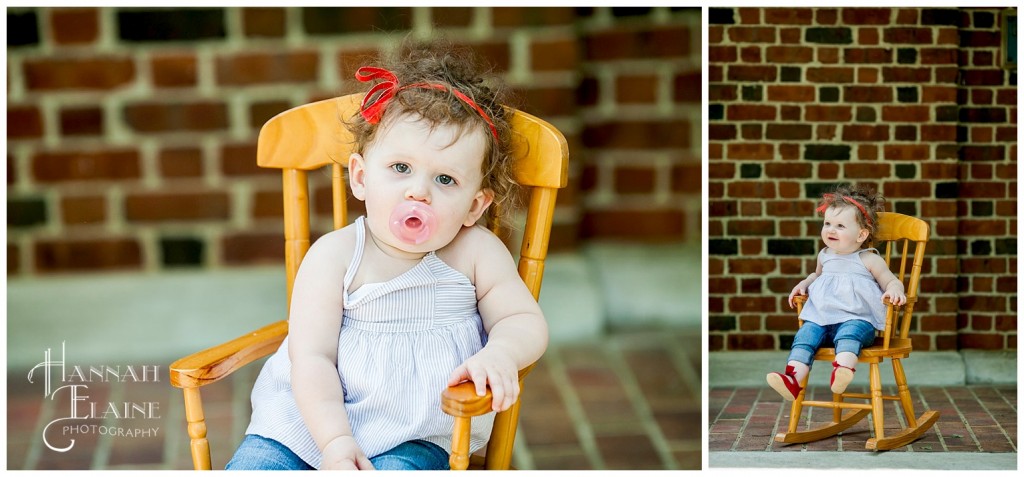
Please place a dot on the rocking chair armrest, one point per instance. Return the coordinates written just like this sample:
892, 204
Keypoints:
910, 301
801, 299
461, 400
213, 364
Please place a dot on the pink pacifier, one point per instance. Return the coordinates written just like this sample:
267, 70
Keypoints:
412, 222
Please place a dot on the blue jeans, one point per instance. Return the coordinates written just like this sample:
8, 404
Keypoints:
259, 453
848, 336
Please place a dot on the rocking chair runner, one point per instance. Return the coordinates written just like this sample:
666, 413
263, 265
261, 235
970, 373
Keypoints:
906, 236
312, 136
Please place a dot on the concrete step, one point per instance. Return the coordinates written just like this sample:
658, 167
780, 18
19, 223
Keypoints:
141, 318
923, 368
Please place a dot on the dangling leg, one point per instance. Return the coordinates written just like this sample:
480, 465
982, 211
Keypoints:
789, 383
842, 371
850, 337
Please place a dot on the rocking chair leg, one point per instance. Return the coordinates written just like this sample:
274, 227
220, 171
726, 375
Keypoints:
459, 460
197, 429
797, 407
877, 408
904, 392
837, 412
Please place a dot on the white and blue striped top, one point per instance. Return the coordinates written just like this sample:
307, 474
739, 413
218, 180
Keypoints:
398, 343
846, 290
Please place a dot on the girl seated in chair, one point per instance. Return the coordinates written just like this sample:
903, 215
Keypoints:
411, 298
845, 294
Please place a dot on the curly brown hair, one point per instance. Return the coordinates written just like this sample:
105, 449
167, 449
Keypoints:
457, 68
870, 203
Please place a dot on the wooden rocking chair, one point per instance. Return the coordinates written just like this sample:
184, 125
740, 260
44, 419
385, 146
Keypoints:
906, 236
312, 136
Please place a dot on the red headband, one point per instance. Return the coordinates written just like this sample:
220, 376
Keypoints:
830, 199
377, 99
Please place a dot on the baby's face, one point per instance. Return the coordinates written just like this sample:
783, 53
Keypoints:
840, 230
410, 162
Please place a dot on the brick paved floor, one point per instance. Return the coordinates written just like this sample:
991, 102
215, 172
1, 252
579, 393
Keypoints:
634, 403
975, 418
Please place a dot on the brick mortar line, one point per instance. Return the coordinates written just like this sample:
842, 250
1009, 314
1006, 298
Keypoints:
639, 401
520, 71
924, 402
49, 107
237, 103
480, 23
722, 411
101, 455
746, 419
209, 147
522, 458
35, 449
679, 360
241, 390
983, 406
294, 34
241, 197
173, 436
1012, 404
15, 78
967, 424
779, 417
106, 39
901, 417
685, 446
571, 400
234, 29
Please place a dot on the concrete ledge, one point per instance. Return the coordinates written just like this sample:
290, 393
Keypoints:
571, 299
136, 318
647, 286
923, 368
990, 367
865, 460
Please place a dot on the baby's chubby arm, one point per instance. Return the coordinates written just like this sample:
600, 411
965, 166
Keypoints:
801, 288
314, 325
517, 332
892, 287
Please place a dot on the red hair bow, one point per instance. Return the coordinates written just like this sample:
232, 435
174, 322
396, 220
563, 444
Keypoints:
377, 98
830, 199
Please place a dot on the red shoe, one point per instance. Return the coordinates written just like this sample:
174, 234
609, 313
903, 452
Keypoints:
841, 377
785, 384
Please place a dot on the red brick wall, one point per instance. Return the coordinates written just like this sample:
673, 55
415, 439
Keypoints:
131, 132
911, 101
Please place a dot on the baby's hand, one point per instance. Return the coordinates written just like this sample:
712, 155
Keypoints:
490, 367
343, 453
896, 297
800, 289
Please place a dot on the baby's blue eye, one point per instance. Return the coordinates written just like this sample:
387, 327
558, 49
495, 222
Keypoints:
444, 179
400, 168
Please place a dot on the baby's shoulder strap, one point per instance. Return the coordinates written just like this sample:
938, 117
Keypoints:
357, 254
